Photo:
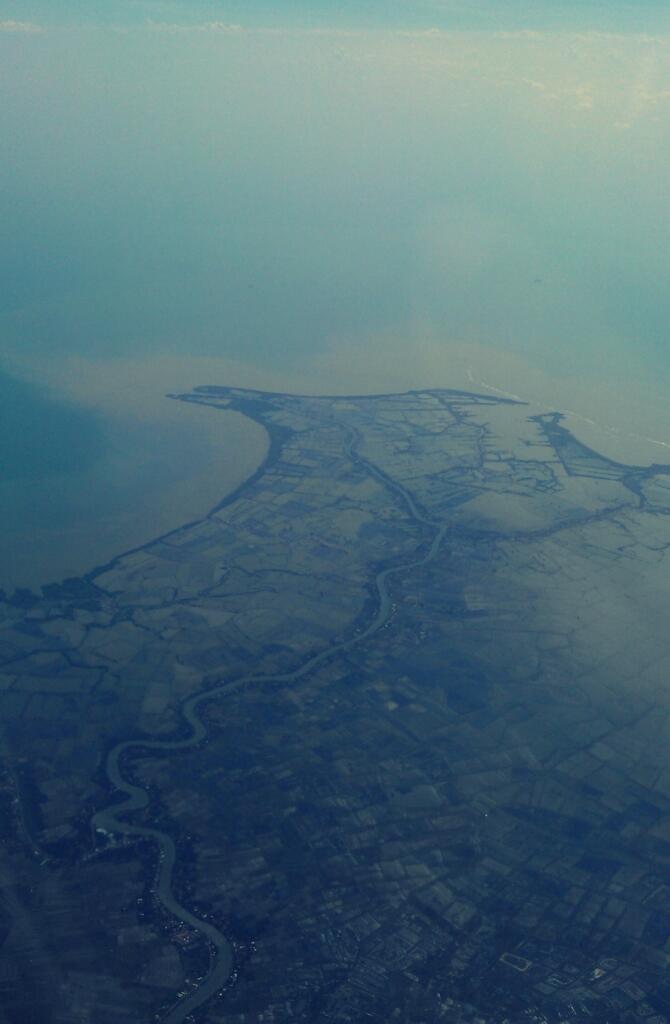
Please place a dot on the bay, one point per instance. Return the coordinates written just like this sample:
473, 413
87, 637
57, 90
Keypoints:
79, 484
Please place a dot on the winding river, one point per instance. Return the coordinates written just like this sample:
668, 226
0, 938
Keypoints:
112, 819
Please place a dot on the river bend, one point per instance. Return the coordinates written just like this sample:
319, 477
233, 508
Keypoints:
113, 819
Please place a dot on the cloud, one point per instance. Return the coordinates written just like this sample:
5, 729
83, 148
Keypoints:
20, 26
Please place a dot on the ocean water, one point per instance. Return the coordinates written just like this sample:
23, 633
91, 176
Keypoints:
80, 484
368, 205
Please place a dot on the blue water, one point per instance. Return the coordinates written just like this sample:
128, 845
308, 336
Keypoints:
276, 198
507, 14
79, 485
264, 196
42, 437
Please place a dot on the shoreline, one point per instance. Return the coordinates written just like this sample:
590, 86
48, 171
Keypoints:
614, 443
125, 515
113, 817
272, 448
157, 512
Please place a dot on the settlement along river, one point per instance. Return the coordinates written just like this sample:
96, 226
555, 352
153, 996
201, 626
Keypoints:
114, 819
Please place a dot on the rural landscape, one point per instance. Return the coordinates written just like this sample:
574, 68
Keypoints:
382, 736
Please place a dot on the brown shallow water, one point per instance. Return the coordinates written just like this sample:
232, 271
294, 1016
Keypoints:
165, 463
151, 476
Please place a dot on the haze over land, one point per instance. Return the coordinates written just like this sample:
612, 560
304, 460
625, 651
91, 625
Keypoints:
335, 450
333, 200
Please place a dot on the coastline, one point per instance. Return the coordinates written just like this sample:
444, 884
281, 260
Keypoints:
626, 417
108, 519
192, 729
227, 448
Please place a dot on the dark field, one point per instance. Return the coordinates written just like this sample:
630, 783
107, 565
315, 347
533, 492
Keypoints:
382, 737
